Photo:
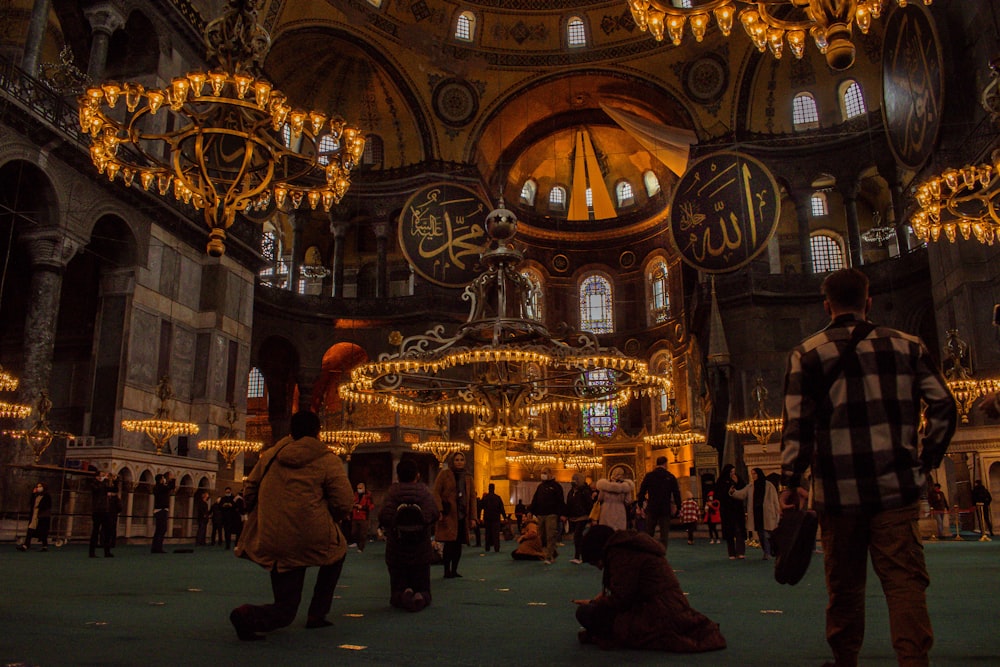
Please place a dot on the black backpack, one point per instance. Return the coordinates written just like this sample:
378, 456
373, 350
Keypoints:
408, 525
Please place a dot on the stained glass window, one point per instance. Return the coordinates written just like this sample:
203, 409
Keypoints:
596, 314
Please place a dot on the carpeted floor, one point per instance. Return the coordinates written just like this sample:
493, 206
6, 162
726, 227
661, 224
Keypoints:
62, 608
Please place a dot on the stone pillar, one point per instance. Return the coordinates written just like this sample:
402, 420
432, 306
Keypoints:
306, 380
803, 212
104, 19
895, 216
50, 251
129, 507
381, 230
297, 250
850, 195
339, 233
36, 34
110, 344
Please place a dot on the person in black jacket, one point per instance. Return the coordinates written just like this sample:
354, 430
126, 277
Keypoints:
408, 549
734, 527
201, 515
493, 514
41, 517
232, 516
164, 486
549, 506
982, 496
102, 488
579, 502
662, 498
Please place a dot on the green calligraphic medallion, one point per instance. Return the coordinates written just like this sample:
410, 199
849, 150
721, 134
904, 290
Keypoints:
912, 85
724, 211
442, 230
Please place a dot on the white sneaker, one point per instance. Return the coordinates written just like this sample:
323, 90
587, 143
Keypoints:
576, 561
352, 545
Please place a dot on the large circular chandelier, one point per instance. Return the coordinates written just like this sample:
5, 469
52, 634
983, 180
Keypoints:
673, 437
230, 446
441, 449
160, 428
235, 143
960, 203
762, 425
770, 24
502, 366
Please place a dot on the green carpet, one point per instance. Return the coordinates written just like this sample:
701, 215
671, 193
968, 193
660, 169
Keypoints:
62, 608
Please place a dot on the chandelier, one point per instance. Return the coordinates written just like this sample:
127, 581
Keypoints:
231, 141
9, 382
958, 376
673, 437
769, 23
502, 366
161, 427
585, 461
441, 449
230, 447
344, 442
564, 448
761, 426
531, 462
960, 202
40, 435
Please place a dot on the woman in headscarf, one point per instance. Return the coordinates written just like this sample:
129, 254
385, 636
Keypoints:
457, 504
762, 507
734, 530
615, 495
641, 604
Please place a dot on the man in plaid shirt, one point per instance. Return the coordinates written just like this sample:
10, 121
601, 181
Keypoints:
854, 418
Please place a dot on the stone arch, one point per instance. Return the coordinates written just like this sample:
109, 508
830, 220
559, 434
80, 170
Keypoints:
338, 361
134, 50
278, 361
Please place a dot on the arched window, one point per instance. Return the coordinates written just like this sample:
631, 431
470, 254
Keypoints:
651, 182
805, 116
557, 198
465, 27
327, 147
374, 152
600, 419
270, 250
827, 253
596, 306
269, 246
576, 32
818, 205
626, 197
528, 191
536, 310
255, 384
590, 199
659, 295
852, 99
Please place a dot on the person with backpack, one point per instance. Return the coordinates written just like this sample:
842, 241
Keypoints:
406, 517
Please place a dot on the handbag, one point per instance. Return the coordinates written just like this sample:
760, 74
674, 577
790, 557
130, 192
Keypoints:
794, 541
595, 511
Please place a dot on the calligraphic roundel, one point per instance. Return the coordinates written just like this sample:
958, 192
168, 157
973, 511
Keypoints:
912, 85
724, 211
442, 230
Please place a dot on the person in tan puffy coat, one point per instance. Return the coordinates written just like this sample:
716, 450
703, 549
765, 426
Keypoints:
297, 495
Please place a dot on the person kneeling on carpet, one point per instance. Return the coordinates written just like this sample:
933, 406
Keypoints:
406, 517
641, 605
529, 541
298, 492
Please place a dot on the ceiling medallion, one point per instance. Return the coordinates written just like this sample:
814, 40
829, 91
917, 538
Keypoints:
455, 102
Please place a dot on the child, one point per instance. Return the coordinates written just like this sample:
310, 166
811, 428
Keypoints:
408, 550
713, 517
689, 515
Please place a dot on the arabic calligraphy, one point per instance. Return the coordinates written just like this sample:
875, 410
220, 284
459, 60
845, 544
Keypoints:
442, 231
724, 212
911, 85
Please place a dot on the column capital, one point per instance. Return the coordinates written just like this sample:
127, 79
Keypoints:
338, 229
105, 17
52, 248
381, 230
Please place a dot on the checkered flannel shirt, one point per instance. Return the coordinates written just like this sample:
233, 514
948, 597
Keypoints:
861, 439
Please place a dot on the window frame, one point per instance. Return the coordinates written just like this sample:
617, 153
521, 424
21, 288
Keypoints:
605, 315
805, 118
821, 258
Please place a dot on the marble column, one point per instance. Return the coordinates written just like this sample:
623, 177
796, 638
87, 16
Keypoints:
104, 19
36, 34
339, 234
803, 212
294, 268
50, 252
850, 195
381, 230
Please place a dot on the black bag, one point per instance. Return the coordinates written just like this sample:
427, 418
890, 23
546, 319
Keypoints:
794, 542
408, 524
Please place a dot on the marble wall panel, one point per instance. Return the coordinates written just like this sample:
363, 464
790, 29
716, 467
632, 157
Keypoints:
143, 349
217, 368
169, 272
189, 285
182, 360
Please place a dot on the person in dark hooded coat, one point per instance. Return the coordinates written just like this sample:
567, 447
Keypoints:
641, 605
